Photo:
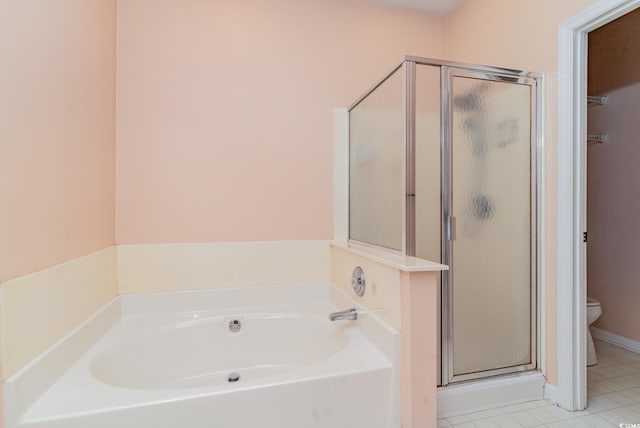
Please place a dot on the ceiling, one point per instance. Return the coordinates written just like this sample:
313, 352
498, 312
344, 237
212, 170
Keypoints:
439, 7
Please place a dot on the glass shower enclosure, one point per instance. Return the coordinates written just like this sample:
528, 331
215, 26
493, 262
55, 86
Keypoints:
443, 162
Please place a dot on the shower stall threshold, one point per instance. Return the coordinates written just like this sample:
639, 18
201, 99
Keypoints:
469, 397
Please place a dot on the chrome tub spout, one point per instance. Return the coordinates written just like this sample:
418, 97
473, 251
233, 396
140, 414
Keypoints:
347, 314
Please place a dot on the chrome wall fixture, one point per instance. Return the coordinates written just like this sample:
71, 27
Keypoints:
347, 314
358, 281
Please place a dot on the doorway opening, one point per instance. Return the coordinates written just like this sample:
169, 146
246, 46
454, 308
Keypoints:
612, 201
571, 390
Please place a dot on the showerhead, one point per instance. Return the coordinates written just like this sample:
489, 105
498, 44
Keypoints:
471, 100
466, 102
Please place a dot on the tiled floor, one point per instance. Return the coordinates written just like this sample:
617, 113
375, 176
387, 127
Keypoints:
613, 400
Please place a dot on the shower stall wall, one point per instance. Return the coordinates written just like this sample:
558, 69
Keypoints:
443, 166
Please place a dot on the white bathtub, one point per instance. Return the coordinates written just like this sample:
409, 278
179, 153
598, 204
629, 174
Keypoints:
168, 359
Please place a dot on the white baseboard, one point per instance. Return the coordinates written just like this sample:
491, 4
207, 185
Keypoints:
551, 393
472, 397
614, 339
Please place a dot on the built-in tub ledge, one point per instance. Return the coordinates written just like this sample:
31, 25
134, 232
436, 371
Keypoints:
404, 291
388, 258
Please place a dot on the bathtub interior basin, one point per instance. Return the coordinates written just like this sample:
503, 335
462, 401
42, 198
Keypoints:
167, 362
205, 352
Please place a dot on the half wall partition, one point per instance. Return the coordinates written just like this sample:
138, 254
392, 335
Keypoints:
443, 166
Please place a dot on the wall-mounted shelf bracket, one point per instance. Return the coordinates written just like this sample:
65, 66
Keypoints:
597, 100
597, 138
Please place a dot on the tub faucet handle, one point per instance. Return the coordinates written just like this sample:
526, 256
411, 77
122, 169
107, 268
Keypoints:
347, 314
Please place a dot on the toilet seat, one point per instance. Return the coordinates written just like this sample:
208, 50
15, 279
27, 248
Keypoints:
594, 310
592, 302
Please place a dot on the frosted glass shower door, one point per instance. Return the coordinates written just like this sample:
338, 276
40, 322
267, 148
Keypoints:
491, 283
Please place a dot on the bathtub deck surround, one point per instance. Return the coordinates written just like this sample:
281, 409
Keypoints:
27, 385
60, 298
148, 268
289, 358
388, 354
402, 291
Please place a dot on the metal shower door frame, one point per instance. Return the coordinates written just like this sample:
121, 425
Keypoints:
447, 69
448, 228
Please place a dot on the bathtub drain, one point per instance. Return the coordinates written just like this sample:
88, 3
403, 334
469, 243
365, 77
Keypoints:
235, 326
234, 377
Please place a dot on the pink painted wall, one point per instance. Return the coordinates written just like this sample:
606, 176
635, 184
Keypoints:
613, 177
523, 35
57, 133
225, 110
509, 33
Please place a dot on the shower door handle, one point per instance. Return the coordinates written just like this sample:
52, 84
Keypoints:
451, 228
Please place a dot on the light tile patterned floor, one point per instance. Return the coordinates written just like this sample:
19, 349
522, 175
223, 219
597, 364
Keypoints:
613, 400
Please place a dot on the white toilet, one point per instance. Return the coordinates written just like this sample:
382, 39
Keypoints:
593, 313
